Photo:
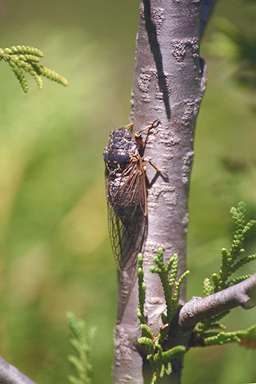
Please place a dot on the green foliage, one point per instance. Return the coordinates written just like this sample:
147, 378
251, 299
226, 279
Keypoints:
24, 59
155, 347
246, 338
235, 257
211, 330
171, 284
81, 343
222, 338
159, 359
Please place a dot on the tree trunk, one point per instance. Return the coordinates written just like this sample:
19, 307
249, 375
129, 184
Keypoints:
168, 86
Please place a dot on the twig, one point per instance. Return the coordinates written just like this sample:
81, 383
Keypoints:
198, 309
11, 375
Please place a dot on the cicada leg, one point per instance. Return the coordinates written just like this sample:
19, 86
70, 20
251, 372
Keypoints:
141, 143
148, 128
154, 166
158, 171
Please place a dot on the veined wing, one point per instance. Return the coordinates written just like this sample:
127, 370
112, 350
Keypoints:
127, 215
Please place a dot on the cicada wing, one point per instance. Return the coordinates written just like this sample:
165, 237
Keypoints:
130, 217
127, 227
126, 236
115, 233
135, 224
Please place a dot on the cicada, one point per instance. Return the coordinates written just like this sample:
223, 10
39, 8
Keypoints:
127, 190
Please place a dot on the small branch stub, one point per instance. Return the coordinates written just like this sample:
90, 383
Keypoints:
198, 309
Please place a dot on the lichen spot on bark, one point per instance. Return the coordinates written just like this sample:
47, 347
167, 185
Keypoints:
122, 345
185, 222
143, 82
190, 111
186, 167
181, 47
157, 14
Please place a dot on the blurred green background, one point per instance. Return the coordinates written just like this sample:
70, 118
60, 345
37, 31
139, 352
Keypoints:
55, 251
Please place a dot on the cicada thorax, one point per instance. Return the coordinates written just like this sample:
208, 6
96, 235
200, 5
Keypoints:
123, 167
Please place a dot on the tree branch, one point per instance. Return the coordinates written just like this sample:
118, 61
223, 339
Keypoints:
169, 84
11, 375
198, 309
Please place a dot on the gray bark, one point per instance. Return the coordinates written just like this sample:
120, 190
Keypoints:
168, 85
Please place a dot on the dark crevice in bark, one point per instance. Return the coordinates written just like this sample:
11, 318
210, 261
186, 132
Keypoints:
156, 51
